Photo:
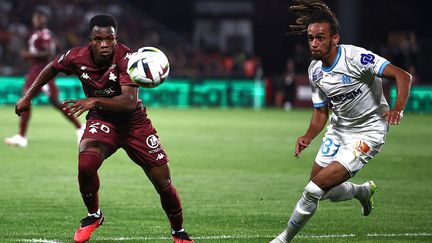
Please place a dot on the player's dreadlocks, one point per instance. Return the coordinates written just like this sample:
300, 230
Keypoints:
312, 11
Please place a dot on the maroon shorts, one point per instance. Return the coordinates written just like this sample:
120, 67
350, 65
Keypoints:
136, 136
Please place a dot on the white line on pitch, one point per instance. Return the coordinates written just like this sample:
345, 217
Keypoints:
221, 237
39, 241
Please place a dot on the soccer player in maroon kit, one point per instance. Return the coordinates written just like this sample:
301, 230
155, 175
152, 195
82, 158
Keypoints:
41, 48
116, 119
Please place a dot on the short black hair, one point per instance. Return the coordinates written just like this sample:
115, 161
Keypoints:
102, 20
42, 10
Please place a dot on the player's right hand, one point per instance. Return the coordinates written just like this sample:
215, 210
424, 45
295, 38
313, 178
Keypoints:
22, 105
393, 117
302, 143
78, 107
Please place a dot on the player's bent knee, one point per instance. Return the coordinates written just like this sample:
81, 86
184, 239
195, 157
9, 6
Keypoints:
89, 162
312, 190
309, 201
94, 145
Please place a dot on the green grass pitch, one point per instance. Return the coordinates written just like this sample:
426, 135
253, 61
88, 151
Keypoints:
236, 174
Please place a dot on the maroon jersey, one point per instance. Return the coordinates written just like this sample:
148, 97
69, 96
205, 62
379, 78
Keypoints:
133, 131
40, 40
97, 81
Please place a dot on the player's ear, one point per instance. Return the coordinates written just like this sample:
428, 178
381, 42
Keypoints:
335, 39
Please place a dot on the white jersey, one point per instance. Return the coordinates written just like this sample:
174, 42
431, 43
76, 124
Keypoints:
353, 86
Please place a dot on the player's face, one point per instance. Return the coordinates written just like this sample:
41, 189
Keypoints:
322, 45
103, 41
38, 20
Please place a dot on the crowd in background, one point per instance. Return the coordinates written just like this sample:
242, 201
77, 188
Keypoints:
69, 20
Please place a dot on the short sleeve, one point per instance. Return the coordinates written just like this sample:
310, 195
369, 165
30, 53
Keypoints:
63, 63
369, 62
122, 68
319, 98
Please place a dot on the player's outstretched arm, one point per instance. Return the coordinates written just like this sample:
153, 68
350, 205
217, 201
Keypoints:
126, 102
403, 85
24, 103
317, 124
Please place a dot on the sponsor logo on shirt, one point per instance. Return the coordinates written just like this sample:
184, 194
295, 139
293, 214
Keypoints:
347, 96
104, 92
367, 58
155, 150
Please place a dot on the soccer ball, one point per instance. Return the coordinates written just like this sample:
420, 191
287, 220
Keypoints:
148, 67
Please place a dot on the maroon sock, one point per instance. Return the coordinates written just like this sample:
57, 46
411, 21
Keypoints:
89, 163
23, 124
172, 206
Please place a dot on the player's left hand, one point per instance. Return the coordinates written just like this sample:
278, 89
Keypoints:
77, 107
393, 117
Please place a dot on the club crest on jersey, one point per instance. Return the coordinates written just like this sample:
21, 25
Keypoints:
367, 58
346, 79
112, 77
152, 141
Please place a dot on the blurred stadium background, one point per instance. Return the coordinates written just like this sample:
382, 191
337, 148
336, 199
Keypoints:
228, 40
234, 168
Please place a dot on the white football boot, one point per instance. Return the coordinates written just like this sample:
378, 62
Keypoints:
17, 140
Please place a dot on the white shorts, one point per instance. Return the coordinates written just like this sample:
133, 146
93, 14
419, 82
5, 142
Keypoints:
352, 150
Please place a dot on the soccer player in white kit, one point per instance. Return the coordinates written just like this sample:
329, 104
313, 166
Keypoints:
346, 80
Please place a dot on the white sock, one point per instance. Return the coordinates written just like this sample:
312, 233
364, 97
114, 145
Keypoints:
281, 238
97, 214
342, 192
303, 211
